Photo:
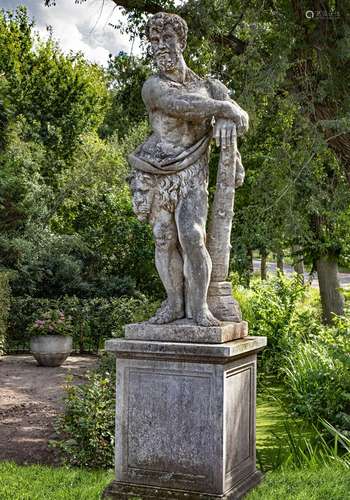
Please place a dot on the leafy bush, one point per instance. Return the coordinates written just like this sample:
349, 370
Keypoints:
93, 320
86, 428
318, 376
270, 308
4, 307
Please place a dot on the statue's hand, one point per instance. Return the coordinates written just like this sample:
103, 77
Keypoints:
231, 111
242, 122
224, 132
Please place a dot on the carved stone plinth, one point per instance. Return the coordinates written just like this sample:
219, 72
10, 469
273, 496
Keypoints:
185, 330
185, 419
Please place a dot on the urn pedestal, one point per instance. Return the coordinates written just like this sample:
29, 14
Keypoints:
185, 419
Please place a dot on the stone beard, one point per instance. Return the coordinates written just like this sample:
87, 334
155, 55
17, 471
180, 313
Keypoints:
170, 169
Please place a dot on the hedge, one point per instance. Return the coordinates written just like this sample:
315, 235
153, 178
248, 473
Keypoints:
94, 319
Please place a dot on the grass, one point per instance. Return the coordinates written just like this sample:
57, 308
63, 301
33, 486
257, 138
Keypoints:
270, 430
37, 482
274, 427
319, 483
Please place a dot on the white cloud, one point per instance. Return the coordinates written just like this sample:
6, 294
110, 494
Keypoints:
82, 28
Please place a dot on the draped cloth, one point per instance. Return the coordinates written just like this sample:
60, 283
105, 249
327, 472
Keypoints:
147, 160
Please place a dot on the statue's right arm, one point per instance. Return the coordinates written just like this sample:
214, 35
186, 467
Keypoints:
158, 95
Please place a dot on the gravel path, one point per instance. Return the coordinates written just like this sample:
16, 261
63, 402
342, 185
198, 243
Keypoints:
30, 399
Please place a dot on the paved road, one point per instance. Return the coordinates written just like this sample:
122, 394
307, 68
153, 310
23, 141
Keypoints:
344, 278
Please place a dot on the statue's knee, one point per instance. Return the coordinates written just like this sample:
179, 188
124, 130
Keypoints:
193, 237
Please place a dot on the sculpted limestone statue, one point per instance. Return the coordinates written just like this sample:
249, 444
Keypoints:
170, 171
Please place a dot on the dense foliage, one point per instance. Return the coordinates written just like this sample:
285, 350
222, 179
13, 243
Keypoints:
271, 309
65, 212
312, 360
52, 322
93, 320
317, 374
4, 309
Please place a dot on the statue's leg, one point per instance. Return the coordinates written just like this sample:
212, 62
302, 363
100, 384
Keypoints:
191, 216
169, 265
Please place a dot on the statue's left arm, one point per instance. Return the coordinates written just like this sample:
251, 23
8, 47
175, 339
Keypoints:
224, 130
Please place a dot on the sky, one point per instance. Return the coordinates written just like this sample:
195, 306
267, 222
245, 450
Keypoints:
82, 28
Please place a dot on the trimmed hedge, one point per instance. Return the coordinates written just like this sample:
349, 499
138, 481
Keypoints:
5, 297
94, 320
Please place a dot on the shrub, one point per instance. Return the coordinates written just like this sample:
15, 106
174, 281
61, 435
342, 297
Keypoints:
270, 308
4, 307
318, 376
93, 320
86, 428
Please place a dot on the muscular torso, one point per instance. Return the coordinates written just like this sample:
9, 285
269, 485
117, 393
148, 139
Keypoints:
172, 132
179, 131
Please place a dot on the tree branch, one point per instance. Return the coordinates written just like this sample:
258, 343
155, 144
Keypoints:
154, 6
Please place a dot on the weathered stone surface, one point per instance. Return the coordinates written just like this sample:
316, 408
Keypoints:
225, 308
51, 350
221, 302
181, 350
220, 288
185, 418
169, 177
187, 331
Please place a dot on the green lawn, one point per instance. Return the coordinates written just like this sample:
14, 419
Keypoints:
323, 483
270, 430
317, 483
37, 482
44, 483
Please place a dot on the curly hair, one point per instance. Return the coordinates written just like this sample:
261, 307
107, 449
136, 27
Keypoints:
158, 21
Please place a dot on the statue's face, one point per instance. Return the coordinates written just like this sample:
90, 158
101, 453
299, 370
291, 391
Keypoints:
166, 47
142, 197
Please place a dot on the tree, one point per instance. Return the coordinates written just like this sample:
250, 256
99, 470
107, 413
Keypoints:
125, 77
59, 96
65, 210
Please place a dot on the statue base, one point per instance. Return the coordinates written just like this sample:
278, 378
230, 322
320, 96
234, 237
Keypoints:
117, 489
185, 330
185, 419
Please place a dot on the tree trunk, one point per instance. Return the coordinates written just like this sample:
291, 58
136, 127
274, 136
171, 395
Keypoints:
331, 299
250, 261
298, 262
263, 267
280, 261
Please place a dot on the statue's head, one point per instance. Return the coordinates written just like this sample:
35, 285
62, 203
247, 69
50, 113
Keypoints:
142, 188
167, 34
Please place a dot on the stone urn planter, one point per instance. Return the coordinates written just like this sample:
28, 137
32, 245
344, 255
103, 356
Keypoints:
51, 350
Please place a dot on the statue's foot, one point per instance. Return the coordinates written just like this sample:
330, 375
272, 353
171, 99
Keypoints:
167, 313
205, 318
